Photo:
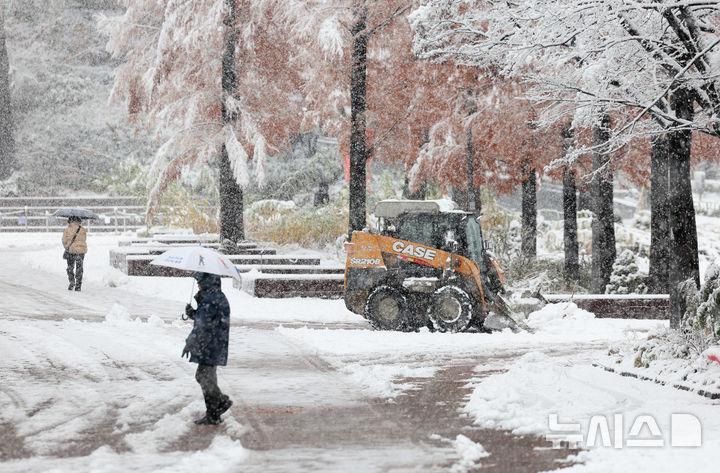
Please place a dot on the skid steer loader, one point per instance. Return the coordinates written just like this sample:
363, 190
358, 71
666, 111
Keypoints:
427, 266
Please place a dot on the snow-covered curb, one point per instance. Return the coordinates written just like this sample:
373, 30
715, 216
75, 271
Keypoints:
562, 397
638, 373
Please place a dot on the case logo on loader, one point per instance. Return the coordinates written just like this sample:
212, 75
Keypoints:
414, 250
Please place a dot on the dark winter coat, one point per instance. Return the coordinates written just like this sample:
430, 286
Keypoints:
208, 341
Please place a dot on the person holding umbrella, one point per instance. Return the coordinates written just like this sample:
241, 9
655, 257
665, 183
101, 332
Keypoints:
207, 344
74, 240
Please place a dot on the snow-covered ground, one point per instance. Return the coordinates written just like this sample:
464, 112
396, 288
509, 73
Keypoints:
93, 381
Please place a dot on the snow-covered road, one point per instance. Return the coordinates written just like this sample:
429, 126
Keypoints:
93, 381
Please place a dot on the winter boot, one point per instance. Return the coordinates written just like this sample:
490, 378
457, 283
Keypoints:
71, 287
224, 406
77, 287
208, 420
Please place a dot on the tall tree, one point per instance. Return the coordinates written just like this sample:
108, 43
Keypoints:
211, 78
684, 260
7, 142
659, 216
570, 236
358, 119
603, 223
231, 195
529, 210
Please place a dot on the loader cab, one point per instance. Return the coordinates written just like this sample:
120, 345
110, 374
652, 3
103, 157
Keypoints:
443, 231
439, 225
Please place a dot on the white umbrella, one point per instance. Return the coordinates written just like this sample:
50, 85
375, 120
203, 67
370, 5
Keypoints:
197, 258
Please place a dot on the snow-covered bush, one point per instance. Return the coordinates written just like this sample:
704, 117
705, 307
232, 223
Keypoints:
502, 229
296, 172
186, 206
666, 345
642, 220
701, 321
309, 227
626, 278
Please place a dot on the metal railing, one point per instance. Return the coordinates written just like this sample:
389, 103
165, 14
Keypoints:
117, 214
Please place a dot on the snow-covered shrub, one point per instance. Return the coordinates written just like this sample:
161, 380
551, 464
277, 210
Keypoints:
626, 278
701, 321
309, 227
502, 229
185, 207
642, 220
667, 345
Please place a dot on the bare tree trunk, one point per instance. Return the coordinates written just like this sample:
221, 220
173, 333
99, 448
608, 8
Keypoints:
231, 195
7, 142
358, 144
529, 211
470, 194
570, 236
684, 263
421, 192
659, 217
603, 226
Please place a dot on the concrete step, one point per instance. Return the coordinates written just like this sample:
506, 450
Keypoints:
116, 254
292, 269
327, 286
171, 239
139, 265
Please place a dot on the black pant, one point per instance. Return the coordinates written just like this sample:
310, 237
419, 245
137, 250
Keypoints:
206, 376
75, 269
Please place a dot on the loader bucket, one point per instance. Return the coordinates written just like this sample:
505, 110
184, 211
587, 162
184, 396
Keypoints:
501, 318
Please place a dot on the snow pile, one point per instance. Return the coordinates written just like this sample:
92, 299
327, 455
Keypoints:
155, 321
113, 277
534, 387
223, 455
118, 315
552, 396
470, 454
562, 316
381, 380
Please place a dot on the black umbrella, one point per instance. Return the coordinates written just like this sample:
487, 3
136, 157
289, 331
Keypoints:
75, 212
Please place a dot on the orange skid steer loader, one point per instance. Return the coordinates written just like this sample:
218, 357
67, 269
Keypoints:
427, 266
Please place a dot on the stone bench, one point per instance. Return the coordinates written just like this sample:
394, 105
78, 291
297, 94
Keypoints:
619, 306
